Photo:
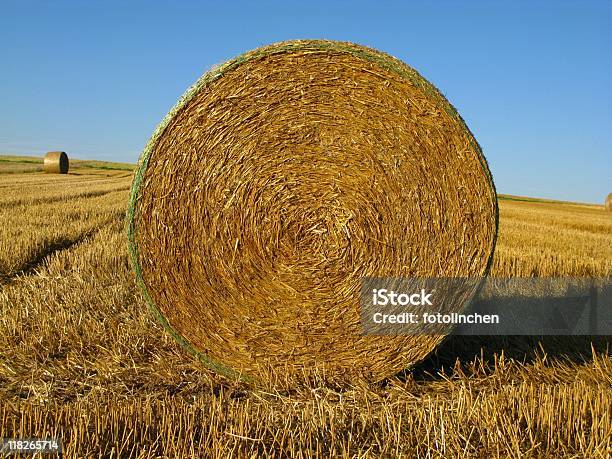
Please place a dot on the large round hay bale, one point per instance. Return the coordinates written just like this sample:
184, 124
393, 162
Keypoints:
609, 201
281, 179
56, 162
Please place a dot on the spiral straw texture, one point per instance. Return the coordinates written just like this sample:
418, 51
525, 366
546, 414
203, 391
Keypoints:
280, 180
56, 162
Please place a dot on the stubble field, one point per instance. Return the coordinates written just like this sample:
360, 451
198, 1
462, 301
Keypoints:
82, 358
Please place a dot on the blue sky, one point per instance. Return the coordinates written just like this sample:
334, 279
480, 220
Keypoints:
533, 80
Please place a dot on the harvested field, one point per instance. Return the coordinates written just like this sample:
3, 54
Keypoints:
81, 356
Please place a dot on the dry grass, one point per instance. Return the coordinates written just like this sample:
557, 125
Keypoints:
81, 356
569, 419
19, 168
547, 239
40, 217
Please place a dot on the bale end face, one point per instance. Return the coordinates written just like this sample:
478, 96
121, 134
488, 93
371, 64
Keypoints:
282, 179
56, 162
609, 202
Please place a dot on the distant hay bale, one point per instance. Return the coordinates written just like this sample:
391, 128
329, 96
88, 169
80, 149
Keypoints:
56, 162
281, 179
609, 201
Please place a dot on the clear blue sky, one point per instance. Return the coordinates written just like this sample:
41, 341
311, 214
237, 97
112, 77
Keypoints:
533, 80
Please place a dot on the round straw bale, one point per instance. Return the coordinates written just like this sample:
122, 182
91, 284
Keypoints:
609, 201
56, 162
281, 179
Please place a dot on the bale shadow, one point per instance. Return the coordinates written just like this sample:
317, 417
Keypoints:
532, 309
525, 349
